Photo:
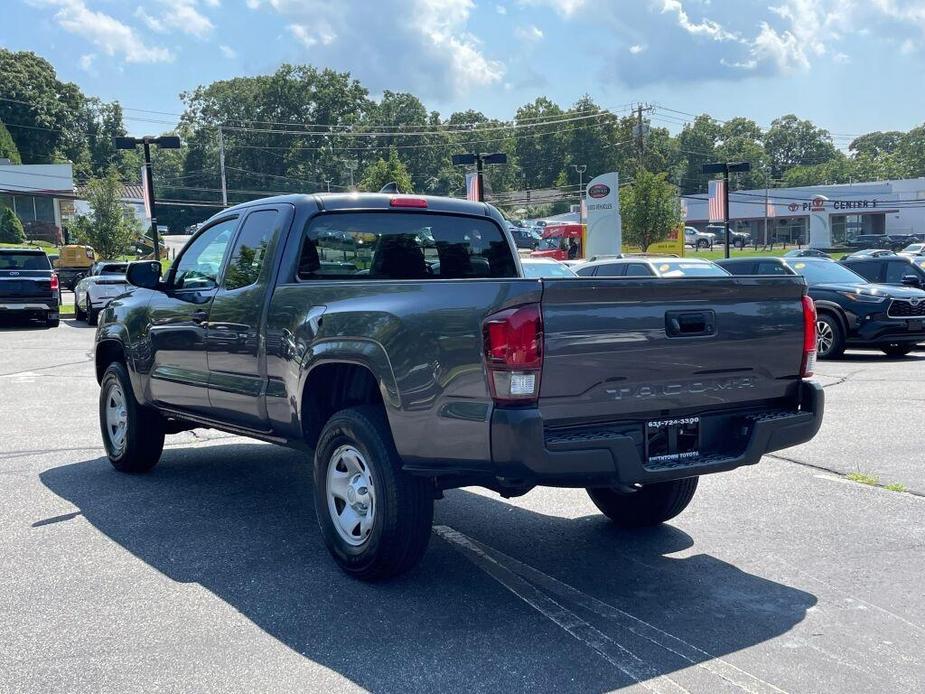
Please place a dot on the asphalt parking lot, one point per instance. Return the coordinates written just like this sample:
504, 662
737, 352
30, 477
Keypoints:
209, 574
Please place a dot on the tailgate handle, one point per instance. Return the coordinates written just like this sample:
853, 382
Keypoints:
690, 323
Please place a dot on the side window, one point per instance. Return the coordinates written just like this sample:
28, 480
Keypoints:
250, 249
610, 270
896, 270
868, 270
586, 271
201, 262
638, 270
770, 269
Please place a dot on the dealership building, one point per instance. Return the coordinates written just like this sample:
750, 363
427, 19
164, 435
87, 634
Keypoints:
820, 216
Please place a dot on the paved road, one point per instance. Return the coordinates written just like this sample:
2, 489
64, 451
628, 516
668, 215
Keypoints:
209, 574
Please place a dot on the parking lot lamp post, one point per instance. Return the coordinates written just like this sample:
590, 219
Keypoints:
164, 142
580, 168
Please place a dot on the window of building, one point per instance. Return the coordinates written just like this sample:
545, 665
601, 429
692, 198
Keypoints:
44, 209
25, 208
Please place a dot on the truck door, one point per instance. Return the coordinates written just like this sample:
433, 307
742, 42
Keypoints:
237, 369
178, 315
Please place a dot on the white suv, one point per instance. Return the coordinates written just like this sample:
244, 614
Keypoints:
698, 239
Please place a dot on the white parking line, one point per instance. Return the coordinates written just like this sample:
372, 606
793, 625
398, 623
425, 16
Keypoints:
526, 582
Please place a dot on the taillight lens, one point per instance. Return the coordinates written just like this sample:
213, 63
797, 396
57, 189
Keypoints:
809, 338
514, 353
408, 202
54, 280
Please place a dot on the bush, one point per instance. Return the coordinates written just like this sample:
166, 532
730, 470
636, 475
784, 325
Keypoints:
11, 230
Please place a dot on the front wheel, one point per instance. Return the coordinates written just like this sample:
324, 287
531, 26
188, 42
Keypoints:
132, 434
375, 519
703, 243
897, 350
651, 505
830, 338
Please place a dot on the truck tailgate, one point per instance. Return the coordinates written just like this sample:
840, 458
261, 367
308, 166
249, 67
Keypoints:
624, 348
22, 285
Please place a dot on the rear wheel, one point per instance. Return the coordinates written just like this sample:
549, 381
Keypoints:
830, 338
132, 434
703, 243
375, 519
79, 313
651, 505
897, 350
739, 243
91, 313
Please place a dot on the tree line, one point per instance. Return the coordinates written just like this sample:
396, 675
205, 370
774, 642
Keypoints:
306, 129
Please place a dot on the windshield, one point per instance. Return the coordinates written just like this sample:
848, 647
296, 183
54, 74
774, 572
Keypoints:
114, 269
914, 248
24, 261
546, 270
680, 268
553, 243
824, 272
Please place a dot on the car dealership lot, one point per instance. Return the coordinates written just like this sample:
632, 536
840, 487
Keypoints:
209, 574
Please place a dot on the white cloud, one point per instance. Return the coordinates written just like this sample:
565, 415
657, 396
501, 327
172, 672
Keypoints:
566, 8
179, 15
637, 48
530, 34
705, 27
501, 9
86, 62
107, 33
228, 52
419, 45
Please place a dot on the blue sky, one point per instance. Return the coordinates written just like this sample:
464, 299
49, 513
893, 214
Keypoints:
849, 65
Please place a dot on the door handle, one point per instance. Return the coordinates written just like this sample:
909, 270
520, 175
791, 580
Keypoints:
199, 316
690, 323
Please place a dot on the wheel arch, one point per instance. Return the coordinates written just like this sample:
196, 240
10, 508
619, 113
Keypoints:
831, 309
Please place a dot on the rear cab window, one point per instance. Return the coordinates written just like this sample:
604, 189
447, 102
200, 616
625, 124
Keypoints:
681, 268
403, 246
23, 261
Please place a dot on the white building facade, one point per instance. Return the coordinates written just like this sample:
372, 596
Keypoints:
820, 216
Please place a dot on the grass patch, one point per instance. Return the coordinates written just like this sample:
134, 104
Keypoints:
66, 309
896, 487
35, 244
861, 478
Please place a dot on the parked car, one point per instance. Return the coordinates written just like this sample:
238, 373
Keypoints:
28, 285
91, 295
852, 312
870, 241
869, 253
544, 267
401, 385
523, 237
698, 239
805, 253
892, 269
665, 267
738, 239
914, 250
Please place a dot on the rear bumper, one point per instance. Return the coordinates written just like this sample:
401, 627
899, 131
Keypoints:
525, 453
29, 306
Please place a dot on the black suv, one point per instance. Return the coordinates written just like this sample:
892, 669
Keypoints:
28, 285
897, 270
852, 312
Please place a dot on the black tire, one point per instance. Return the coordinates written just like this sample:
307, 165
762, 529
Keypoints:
836, 344
91, 313
739, 243
651, 505
144, 432
404, 505
78, 313
703, 243
897, 350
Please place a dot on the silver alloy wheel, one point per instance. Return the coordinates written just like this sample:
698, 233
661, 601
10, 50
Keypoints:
351, 495
825, 336
116, 418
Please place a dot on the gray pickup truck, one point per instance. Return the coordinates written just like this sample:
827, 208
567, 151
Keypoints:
394, 339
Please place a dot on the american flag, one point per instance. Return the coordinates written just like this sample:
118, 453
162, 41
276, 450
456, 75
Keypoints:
717, 200
472, 186
769, 211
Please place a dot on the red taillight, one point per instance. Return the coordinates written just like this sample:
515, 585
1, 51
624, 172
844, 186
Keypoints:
54, 280
514, 353
409, 202
809, 338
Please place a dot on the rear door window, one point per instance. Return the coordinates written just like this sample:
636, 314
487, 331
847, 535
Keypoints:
403, 246
771, 269
896, 270
24, 261
639, 270
869, 270
610, 270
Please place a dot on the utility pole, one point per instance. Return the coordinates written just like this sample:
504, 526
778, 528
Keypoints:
767, 194
328, 182
221, 165
580, 168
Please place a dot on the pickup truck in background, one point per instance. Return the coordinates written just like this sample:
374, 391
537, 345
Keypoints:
395, 340
28, 285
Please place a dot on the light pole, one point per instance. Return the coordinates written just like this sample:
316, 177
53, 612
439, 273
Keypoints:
580, 168
479, 159
164, 142
725, 168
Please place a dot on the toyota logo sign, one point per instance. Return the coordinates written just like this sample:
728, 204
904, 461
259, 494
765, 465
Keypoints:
914, 302
599, 190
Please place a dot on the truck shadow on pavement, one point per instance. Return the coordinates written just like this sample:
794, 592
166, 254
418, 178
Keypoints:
239, 520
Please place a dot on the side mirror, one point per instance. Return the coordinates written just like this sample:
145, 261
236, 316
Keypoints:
911, 281
144, 273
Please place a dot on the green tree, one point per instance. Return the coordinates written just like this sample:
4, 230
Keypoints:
793, 142
11, 230
650, 208
540, 150
110, 228
877, 143
696, 146
8, 148
385, 171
